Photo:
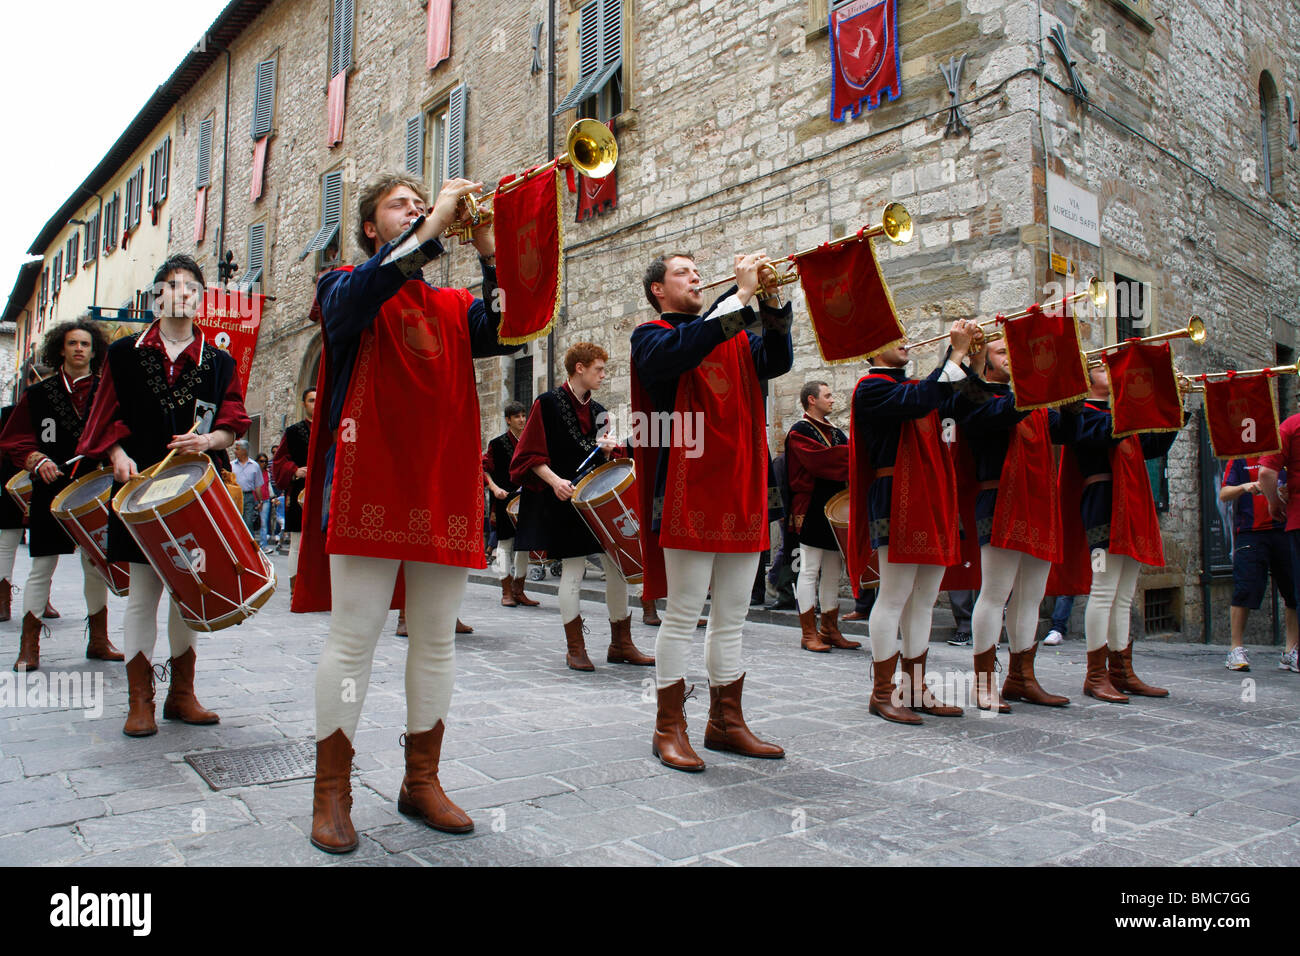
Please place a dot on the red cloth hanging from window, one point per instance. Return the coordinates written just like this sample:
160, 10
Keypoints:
335, 107
439, 32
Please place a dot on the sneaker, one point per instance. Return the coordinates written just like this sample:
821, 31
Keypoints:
1288, 662
1237, 660
1053, 638
959, 640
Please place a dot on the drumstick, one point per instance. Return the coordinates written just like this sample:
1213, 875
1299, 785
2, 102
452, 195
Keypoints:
163, 464
75, 463
594, 453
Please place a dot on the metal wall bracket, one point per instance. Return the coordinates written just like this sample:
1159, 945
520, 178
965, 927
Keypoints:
952, 76
1058, 38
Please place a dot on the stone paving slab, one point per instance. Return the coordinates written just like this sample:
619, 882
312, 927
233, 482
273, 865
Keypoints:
555, 766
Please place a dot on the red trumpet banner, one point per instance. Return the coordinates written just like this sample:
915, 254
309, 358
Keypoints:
529, 235
231, 321
1241, 406
1046, 362
1143, 389
852, 312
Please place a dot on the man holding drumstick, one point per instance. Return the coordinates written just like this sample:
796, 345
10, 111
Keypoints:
156, 385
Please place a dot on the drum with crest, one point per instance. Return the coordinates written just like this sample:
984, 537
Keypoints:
82, 510
606, 499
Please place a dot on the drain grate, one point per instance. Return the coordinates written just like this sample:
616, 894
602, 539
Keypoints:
251, 766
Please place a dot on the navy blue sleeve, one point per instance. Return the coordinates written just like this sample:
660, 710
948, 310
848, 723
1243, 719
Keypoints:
996, 415
773, 351
661, 354
350, 300
485, 319
886, 399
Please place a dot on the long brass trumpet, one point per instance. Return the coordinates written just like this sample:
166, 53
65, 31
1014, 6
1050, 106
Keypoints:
1195, 331
589, 147
1095, 292
1194, 383
895, 225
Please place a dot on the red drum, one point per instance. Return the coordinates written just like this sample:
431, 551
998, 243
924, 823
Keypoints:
837, 515
605, 499
20, 490
82, 510
185, 522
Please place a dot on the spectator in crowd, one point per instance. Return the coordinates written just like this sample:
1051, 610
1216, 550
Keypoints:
249, 476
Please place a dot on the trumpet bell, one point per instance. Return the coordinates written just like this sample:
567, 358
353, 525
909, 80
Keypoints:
1097, 292
897, 223
592, 149
1196, 330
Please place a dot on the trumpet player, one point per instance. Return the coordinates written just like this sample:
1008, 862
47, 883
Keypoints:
904, 488
706, 507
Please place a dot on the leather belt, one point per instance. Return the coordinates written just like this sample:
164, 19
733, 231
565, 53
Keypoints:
1094, 479
989, 485
884, 472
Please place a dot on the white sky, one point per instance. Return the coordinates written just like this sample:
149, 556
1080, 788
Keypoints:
74, 74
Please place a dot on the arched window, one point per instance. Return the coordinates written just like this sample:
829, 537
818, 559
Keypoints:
1270, 135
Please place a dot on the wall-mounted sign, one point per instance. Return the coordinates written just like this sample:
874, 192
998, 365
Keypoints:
1073, 210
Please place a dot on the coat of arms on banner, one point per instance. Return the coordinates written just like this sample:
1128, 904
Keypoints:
864, 55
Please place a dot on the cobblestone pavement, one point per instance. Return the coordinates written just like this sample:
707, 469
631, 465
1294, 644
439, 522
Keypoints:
555, 766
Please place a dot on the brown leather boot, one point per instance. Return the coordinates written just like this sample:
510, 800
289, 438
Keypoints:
621, 648
421, 794
293, 579
576, 657
29, 645
1124, 680
139, 684
986, 684
6, 599
331, 805
50, 614
726, 729
1096, 682
99, 647
1021, 684
508, 592
916, 695
463, 628
670, 743
401, 623
522, 599
809, 639
649, 613
829, 631
181, 704
885, 702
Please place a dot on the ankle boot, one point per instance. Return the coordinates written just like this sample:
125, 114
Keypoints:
885, 701
50, 614
29, 645
1096, 683
829, 631
6, 599
1125, 681
521, 598
576, 657
401, 623
726, 729
916, 695
181, 704
670, 743
293, 579
99, 647
809, 639
463, 628
331, 805
508, 592
986, 685
621, 648
649, 613
421, 794
1021, 684
139, 683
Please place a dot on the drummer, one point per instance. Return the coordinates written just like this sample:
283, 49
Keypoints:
512, 564
155, 386
40, 436
565, 429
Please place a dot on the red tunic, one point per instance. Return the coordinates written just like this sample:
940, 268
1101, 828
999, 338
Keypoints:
806, 460
18, 440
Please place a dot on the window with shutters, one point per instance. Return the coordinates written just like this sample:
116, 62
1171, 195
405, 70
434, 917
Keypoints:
70, 255
111, 210
1272, 135
414, 146
43, 299
139, 196
596, 35
252, 278
91, 251
328, 240
204, 161
263, 99
159, 161
342, 18
445, 125
58, 274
